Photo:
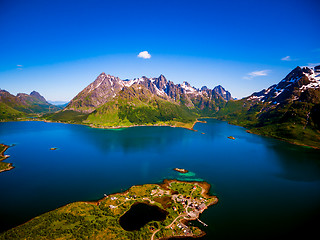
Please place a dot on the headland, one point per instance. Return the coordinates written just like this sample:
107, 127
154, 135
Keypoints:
183, 202
3, 165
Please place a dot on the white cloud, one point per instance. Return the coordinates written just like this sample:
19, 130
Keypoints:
19, 67
287, 58
311, 65
256, 74
144, 54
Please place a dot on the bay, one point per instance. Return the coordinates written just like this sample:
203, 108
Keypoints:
265, 187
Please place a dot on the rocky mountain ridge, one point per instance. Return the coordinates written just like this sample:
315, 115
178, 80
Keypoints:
289, 110
107, 87
293, 87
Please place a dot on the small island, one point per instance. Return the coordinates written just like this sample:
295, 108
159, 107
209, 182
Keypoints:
121, 215
181, 170
3, 165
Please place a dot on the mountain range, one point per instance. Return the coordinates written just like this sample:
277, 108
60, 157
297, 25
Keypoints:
112, 102
106, 88
22, 105
289, 110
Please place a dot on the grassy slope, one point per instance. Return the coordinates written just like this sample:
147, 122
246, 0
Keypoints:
9, 113
68, 116
12, 107
293, 122
125, 113
84, 220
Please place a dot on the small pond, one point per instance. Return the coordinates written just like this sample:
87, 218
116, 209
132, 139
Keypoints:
140, 214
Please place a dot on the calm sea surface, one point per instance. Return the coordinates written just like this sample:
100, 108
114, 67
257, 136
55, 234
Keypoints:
265, 187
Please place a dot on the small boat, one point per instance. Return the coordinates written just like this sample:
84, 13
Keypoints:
53, 148
230, 137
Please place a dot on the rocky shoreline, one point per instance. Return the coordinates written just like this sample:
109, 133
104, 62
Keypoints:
181, 170
7, 166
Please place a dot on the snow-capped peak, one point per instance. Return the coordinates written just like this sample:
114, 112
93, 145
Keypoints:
187, 87
296, 82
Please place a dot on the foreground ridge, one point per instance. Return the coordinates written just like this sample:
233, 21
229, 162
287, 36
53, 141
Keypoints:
182, 202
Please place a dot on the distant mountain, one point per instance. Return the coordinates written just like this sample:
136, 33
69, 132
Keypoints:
37, 96
22, 104
110, 101
58, 103
289, 110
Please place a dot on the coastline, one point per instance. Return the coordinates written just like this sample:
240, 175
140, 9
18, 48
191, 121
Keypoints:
282, 139
178, 124
165, 184
196, 121
3, 157
127, 200
274, 137
168, 125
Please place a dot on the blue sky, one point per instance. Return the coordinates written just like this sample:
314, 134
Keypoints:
59, 47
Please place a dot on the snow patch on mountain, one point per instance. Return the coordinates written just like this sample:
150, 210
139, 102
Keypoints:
296, 82
255, 98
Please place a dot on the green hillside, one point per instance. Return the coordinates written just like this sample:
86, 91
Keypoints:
67, 116
136, 106
296, 122
9, 113
23, 105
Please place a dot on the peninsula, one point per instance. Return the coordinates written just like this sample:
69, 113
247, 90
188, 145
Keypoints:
176, 201
3, 165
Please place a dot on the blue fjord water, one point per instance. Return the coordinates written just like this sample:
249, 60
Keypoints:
265, 187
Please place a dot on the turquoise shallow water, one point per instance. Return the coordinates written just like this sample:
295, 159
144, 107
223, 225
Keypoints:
265, 187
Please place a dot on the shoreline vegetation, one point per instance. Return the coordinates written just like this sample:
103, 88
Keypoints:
4, 166
189, 126
184, 201
281, 139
